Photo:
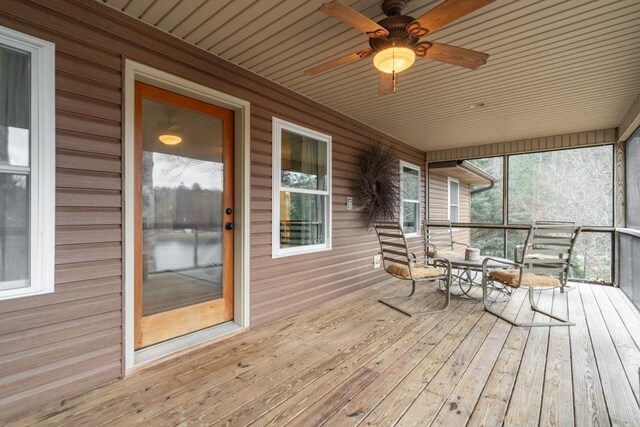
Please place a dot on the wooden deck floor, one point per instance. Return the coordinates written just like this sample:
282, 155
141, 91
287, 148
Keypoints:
353, 361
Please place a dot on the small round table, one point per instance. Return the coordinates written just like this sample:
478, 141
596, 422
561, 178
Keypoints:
467, 276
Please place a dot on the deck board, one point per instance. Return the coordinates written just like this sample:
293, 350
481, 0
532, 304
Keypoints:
353, 361
557, 396
621, 403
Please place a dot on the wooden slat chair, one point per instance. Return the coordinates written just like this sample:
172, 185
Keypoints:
518, 251
399, 262
438, 239
534, 272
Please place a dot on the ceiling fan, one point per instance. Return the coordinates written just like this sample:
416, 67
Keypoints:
395, 40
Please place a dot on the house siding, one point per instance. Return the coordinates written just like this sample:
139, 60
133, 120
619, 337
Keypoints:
439, 209
555, 142
56, 345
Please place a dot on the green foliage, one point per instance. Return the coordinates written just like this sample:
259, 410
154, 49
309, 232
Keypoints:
567, 185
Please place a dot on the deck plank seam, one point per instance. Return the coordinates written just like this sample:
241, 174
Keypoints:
615, 346
493, 368
462, 319
447, 360
401, 354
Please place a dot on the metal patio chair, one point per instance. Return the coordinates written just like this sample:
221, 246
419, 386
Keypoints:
399, 262
518, 251
438, 239
535, 272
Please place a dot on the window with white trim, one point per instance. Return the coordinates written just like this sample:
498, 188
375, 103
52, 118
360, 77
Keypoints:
410, 198
27, 165
454, 200
301, 189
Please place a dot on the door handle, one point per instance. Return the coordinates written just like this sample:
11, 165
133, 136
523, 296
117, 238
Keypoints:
229, 226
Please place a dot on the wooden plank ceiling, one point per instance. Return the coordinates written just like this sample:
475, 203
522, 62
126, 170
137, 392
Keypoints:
555, 66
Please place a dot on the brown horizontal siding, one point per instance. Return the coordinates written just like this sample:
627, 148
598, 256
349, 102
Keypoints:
92, 144
55, 345
66, 254
50, 314
59, 343
604, 136
67, 292
77, 216
52, 335
311, 278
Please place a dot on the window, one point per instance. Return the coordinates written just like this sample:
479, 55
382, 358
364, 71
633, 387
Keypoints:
27, 165
454, 200
301, 190
410, 198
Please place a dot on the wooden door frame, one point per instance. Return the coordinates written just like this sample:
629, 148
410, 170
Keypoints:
152, 329
138, 72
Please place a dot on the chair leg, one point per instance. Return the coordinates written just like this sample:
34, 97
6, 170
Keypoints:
534, 307
388, 302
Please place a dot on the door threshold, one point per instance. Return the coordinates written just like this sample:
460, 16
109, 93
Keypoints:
180, 345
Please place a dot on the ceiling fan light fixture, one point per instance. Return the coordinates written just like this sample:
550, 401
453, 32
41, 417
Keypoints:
169, 139
394, 59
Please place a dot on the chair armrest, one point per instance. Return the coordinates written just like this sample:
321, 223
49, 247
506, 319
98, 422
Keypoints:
460, 243
445, 263
518, 248
501, 261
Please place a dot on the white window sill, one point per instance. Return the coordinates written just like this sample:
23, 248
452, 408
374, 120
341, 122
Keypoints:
23, 292
301, 251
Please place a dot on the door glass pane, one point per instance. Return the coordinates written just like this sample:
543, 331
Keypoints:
410, 217
14, 115
182, 211
304, 162
302, 219
14, 231
410, 183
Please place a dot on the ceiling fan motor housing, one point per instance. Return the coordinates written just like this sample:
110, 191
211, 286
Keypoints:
398, 36
393, 7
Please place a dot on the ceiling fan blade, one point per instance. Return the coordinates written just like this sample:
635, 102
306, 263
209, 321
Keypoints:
352, 57
354, 19
461, 57
444, 14
387, 83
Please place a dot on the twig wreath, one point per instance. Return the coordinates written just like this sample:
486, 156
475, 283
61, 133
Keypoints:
377, 184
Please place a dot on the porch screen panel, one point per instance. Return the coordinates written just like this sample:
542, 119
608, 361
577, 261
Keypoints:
633, 180
565, 185
630, 267
486, 207
574, 185
630, 244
